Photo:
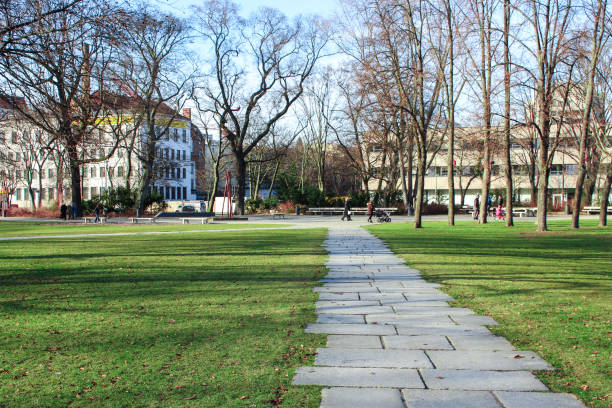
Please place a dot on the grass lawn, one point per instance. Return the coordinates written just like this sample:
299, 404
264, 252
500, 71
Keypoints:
550, 292
35, 228
170, 320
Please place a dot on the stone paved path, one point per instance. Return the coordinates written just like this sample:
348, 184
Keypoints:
393, 340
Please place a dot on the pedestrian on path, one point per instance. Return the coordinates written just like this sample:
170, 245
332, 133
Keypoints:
72, 211
476, 207
97, 212
347, 210
370, 210
63, 210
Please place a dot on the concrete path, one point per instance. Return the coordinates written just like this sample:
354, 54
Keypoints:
393, 340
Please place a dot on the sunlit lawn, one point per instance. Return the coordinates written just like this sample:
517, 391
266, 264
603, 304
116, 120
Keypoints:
551, 292
159, 320
27, 228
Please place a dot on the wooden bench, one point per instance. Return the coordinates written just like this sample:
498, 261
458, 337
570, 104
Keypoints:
595, 210
203, 220
525, 211
135, 220
93, 219
277, 215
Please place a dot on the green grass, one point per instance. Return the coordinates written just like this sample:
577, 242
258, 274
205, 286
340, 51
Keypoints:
27, 228
149, 320
551, 292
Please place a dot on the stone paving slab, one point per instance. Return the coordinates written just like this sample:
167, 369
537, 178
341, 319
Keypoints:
362, 310
443, 330
450, 399
358, 377
353, 341
488, 360
431, 342
481, 380
361, 397
414, 310
345, 289
365, 329
332, 303
424, 320
339, 296
420, 297
382, 296
537, 400
337, 357
484, 342
340, 319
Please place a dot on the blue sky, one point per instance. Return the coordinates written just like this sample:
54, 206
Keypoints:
324, 8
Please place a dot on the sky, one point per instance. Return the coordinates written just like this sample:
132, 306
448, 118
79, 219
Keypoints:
291, 8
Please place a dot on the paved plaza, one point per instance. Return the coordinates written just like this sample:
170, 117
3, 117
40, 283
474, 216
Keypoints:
393, 340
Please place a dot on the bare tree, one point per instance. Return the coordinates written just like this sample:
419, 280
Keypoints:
599, 37
157, 85
279, 57
54, 69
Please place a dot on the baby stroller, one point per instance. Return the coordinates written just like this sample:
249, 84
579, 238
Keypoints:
382, 216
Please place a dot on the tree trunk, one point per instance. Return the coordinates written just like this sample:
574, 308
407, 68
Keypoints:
276, 167
32, 196
486, 180
241, 180
542, 190
605, 193
213, 192
405, 196
507, 160
451, 175
145, 183
422, 163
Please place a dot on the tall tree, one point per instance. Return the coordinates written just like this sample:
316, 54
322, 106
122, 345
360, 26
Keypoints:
54, 69
599, 37
263, 61
507, 144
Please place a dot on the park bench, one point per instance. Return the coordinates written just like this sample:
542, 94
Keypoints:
276, 215
595, 209
135, 220
203, 220
92, 219
525, 211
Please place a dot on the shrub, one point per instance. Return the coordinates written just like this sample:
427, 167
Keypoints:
119, 198
435, 208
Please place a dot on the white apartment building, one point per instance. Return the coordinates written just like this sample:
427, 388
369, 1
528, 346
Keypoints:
22, 153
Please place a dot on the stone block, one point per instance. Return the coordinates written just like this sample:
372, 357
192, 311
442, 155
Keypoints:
451, 311
339, 296
431, 342
358, 377
537, 400
372, 358
340, 319
357, 309
481, 380
449, 399
443, 330
411, 320
487, 360
353, 341
483, 342
340, 397
484, 320
364, 329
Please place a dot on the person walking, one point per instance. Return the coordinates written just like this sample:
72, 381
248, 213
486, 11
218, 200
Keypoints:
476, 207
71, 211
347, 210
489, 204
97, 212
370, 210
63, 209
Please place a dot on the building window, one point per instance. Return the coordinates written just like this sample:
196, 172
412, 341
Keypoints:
111, 172
14, 137
86, 193
161, 192
43, 194
2, 138
18, 194
178, 193
174, 193
51, 195
101, 171
42, 174
92, 172
167, 193
120, 171
184, 193
51, 175
184, 136
184, 173
94, 192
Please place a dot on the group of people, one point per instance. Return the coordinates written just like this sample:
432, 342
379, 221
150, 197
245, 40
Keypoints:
70, 212
499, 208
347, 210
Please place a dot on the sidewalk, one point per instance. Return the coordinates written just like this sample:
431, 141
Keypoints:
393, 341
